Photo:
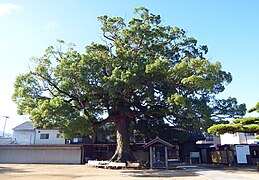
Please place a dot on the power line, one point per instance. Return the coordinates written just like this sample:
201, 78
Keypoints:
6, 117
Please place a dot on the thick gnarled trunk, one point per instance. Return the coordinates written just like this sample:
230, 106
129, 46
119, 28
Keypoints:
123, 151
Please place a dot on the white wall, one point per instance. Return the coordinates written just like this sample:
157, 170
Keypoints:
216, 140
5, 140
237, 138
251, 139
52, 133
229, 138
24, 137
41, 154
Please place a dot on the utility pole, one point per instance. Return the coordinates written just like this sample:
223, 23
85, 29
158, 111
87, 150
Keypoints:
6, 117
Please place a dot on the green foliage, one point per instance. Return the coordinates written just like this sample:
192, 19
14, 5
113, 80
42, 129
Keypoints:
144, 69
224, 128
256, 108
247, 120
246, 125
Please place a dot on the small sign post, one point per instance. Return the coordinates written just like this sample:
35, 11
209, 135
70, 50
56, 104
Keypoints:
242, 151
195, 155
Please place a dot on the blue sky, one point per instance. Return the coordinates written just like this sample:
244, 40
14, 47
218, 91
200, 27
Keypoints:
229, 28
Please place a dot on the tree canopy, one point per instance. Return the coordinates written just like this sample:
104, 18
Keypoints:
245, 125
144, 70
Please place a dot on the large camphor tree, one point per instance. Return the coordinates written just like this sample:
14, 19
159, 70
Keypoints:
245, 125
144, 70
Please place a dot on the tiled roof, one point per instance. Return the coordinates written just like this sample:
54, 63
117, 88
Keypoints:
192, 135
24, 126
196, 136
158, 140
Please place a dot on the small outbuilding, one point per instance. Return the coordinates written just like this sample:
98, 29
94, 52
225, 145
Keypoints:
158, 153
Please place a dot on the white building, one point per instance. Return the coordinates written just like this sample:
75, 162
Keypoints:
48, 136
5, 140
228, 138
210, 139
238, 138
25, 133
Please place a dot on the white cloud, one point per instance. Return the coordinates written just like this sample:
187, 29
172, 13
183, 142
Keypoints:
7, 9
51, 25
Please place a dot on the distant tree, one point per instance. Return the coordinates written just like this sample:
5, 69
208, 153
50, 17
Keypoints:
145, 69
245, 125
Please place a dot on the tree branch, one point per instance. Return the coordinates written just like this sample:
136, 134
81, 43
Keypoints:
56, 87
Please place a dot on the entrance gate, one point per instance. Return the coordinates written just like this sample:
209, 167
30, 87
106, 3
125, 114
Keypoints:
158, 153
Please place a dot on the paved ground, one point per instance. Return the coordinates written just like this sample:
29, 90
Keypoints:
81, 172
219, 172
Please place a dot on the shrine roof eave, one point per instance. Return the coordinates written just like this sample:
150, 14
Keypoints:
158, 140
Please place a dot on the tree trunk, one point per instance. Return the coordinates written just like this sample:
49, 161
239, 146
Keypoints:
123, 152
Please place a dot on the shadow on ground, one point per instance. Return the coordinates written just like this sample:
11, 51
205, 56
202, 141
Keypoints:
178, 172
189, 171
4, 170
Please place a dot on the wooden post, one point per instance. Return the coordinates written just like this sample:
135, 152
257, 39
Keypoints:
166, 158
151, 157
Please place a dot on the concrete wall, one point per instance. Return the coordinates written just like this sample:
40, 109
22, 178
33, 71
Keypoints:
53, 137
54, 154
24, 137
